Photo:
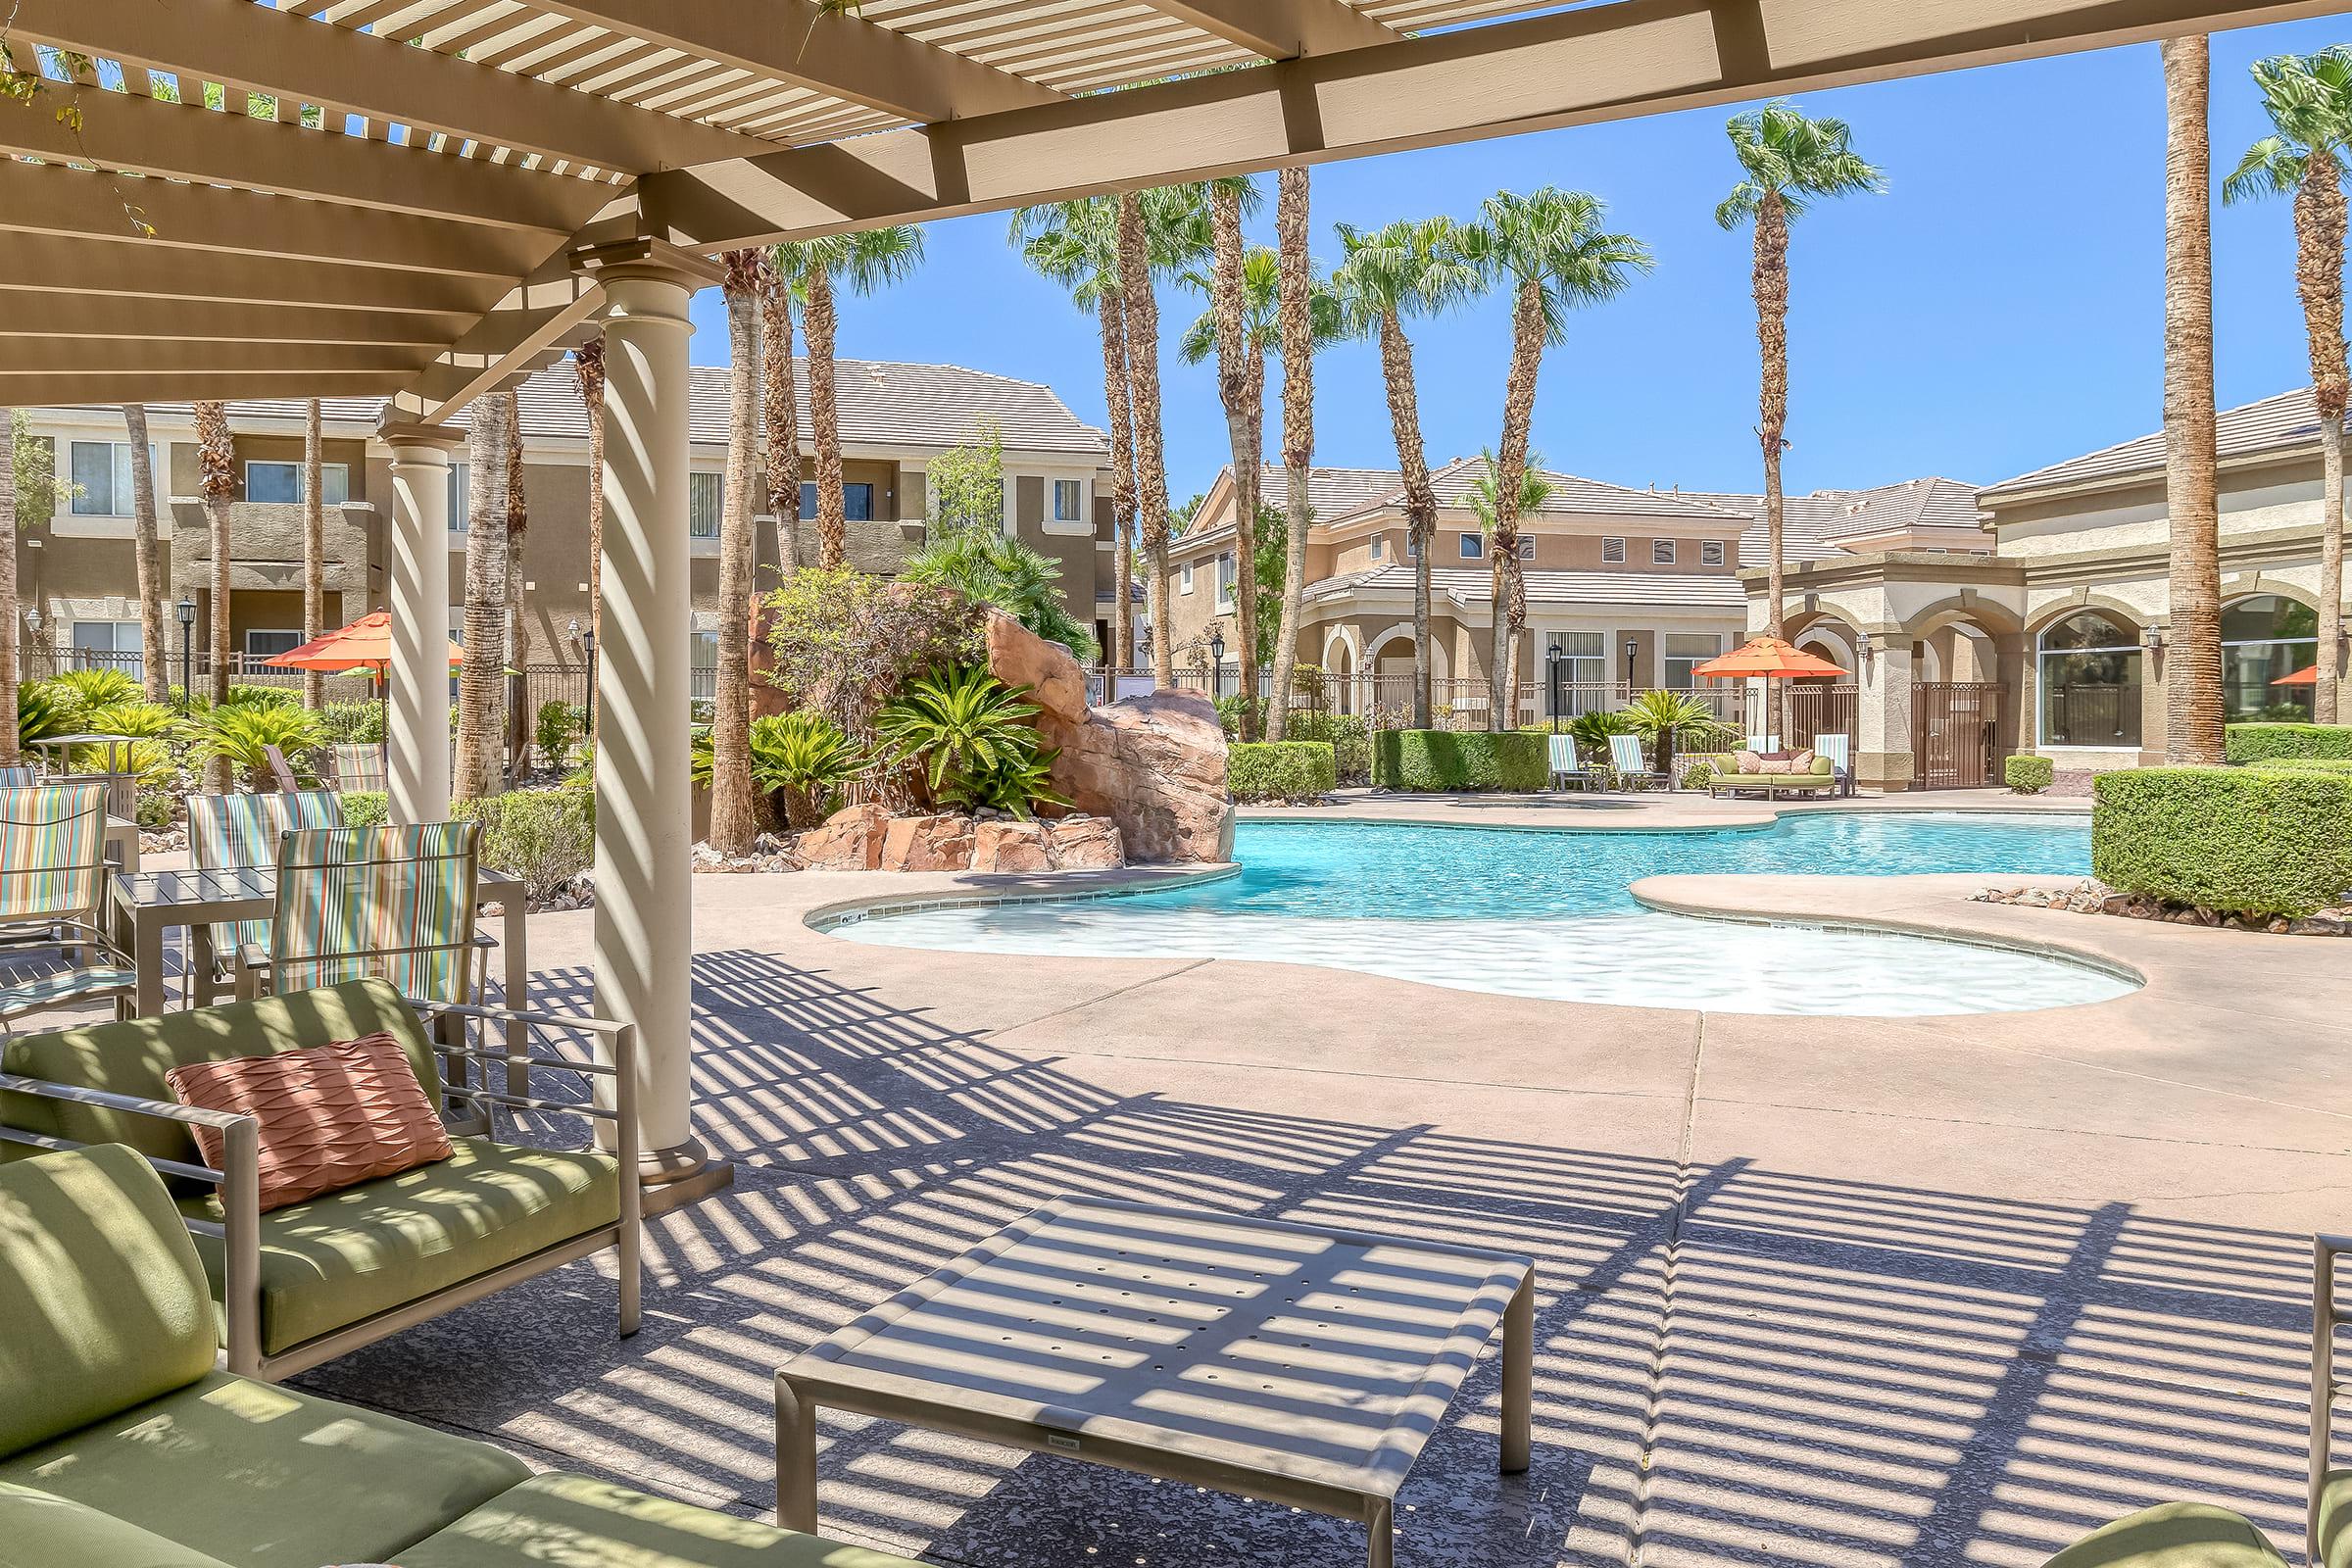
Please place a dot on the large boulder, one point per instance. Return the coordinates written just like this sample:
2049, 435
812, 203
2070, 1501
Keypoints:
1012, 846
850, 841
1084, 844
1154, 764
927, 843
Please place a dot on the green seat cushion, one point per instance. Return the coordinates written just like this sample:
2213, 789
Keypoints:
2333, 1548
131, 1058
39, 1530
103, 1303
351, 1255
2175, 1534
581, 1523
265, 1476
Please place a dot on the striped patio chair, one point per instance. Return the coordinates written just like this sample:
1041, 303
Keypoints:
52, 893
19, 776
359, 767
1626, 762
1839, 750
240, 833
391, 902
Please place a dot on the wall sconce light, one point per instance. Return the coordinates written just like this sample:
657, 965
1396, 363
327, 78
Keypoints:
2153, 639
1864, 649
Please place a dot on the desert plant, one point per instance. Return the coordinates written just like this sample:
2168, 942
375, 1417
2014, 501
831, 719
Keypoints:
560, 728
240, 735
87, 689
802, 755
151, 725
1591, 732
2028, 775
988, 568
1015, 784
1673, 722
957, 721
42, 711
546, 837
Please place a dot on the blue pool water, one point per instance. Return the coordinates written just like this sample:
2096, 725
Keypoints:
1547, 915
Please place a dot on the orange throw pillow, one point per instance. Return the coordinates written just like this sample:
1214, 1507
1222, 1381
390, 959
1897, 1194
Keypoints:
331, 1118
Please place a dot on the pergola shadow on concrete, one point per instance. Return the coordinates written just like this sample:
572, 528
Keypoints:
425, 198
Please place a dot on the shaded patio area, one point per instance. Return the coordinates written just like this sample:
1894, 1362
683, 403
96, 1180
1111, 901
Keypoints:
1774, 1325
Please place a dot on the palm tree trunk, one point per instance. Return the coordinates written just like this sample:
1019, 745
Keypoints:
1771, 286
2194, 660
314, 545
1150, 453
1121, 652
2320, 222
147, 556
588, 367
1242, 418
481, 680
1293, 270
215, 457
519, 524
8, 581
780, 407
1510, 470
1420, 499
734, 803
824, 417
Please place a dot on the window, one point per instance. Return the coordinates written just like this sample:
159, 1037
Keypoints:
1225, 576
1527, 547
271, 644
702, 668
1710, 553
101, 475
282, 482
106, 645
1612, 552
1376, 547
1412, 545
706, 500
1661, 551
1474, 546
1069, 501
2263, 640
1585, 665
2089, 670
1682, 651
458, 513
1183, 579
856, 502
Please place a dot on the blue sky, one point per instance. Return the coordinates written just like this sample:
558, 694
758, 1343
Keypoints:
1999, 309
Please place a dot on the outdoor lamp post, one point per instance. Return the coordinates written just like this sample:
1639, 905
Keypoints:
186, 609
1633, 650
1553, 657
1217, 664
32, 620
587, 642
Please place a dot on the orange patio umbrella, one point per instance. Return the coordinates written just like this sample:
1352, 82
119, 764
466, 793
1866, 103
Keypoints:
365, 644
1767, 659
2301, 677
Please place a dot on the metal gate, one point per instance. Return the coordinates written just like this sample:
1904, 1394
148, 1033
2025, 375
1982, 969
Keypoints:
1956, 734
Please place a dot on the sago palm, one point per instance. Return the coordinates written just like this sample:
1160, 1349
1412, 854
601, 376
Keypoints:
1552, 251
1386, 277
2309, 99
955, 723
863, 262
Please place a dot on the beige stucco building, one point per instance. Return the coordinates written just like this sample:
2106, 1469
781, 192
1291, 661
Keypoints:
78, 583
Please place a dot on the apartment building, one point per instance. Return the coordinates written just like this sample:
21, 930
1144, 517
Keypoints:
78, 583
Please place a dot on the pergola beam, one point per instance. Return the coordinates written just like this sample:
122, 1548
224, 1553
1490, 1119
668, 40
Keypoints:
1282, 29
45, 356
49, 199
111, 274
26, 312
256, 48
521, 330
831, 51
74, 388
1597, 62
176, 141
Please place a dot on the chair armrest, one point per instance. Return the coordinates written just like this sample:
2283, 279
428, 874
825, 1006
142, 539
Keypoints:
614, 1078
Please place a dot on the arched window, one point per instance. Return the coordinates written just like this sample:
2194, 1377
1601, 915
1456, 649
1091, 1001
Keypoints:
2089, 666
2265, 639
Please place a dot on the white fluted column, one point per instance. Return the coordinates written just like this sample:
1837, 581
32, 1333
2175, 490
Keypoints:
644, 838
416, 695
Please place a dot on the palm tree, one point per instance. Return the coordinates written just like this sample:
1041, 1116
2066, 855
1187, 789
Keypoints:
1400, 271
519, 523
216, 482
1552, 251
2309, 99
1076, 244
147, 556
1486, 490
8, 579
734, 803
1791, 161
482, 676
314, 543
1242, 389
780, 413
588, 367
2194, 664
865, 262
1150, 452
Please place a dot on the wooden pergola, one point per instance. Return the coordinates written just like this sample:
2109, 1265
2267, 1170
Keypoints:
425, 198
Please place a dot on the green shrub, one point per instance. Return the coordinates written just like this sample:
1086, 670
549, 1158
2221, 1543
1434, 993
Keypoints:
2256, 841
365, 808
2028, 775
265, 696
802, 755
1425, 760
968, 735
1281, 770
1351, 740
156, 806
85, 689
2262, 743
242, 733
561, 726
42, 711
356, 724
2305, 764
546, 837
1697, 775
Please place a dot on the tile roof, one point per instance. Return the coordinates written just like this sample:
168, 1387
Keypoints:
881, 403
1570, 493
2281, 421
1547, 586
1813, 525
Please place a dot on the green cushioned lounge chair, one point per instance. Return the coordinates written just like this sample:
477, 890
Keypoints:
307, 1281
1724, 778
120, 1446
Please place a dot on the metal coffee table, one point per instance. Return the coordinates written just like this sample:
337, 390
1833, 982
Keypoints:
1304, 1366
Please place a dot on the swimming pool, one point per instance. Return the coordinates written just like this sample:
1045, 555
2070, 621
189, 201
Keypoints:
1546, 913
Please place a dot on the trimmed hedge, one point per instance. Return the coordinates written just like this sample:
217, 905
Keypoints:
2262, 743
1280, 770
1431, 760
2305, 764
2251, 840
365, 808
2028, 775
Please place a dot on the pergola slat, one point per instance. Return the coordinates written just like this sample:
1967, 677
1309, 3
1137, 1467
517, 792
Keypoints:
106, 271
164, 386
30, 356
34, 312
1282, 29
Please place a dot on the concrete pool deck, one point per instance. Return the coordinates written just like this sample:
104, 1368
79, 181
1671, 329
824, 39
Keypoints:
1814, 1291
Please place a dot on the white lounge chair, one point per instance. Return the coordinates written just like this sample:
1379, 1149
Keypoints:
1567, 769
1625, 760
1839, 750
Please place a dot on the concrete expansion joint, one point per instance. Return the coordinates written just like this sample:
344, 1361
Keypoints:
1652, 1409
